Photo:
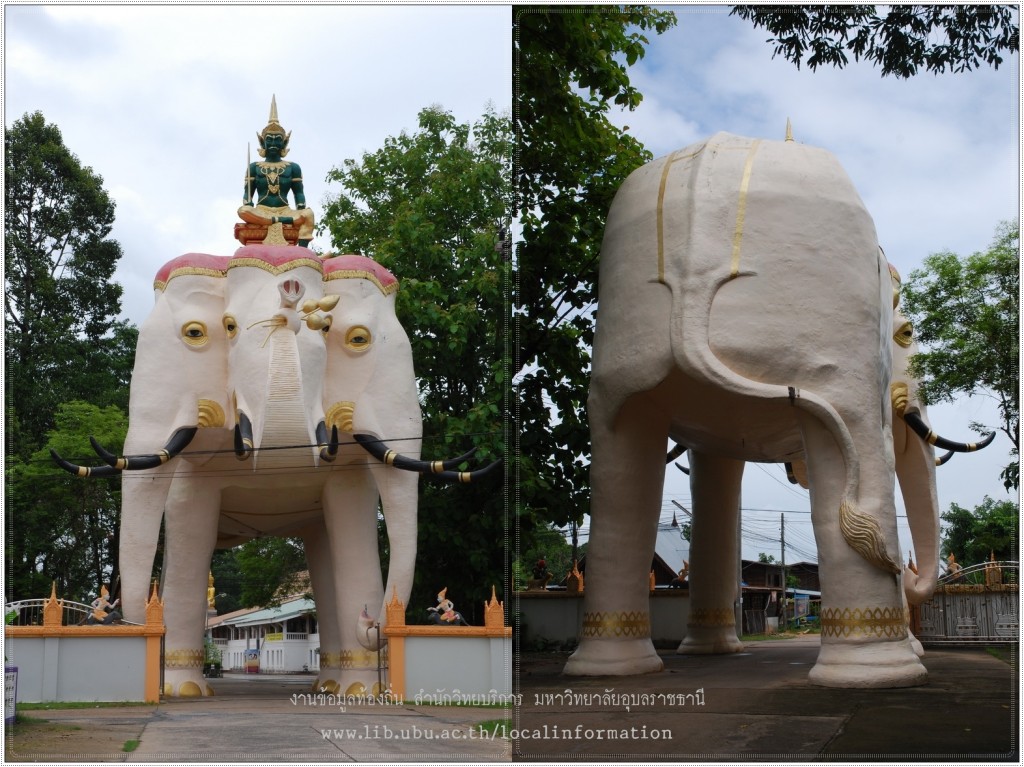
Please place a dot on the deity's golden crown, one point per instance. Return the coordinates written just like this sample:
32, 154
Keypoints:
273, 126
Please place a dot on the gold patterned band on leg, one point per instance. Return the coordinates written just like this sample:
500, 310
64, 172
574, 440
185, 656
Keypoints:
879, 622
352, 659
711, 617
617, 624
184, 658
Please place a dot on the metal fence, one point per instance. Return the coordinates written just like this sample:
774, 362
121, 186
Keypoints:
29, 612
978, 604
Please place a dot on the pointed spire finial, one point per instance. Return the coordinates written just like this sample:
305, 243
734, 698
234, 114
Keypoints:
789, 130
273, 109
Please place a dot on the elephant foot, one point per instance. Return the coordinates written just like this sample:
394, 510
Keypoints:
185, 683
354, 683
868, 665
596, 657
710, 640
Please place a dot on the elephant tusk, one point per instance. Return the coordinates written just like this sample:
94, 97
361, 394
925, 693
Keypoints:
683, 469
943, 458
243, 437
178, 442
464, 477
920, 428
442, 470
328, 448
84, 471
675, 452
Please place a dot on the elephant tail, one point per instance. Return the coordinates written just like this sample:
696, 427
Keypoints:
860, 530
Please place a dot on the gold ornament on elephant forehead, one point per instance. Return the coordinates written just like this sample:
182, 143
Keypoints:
312, 308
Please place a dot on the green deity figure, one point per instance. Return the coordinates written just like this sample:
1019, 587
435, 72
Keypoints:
268, 182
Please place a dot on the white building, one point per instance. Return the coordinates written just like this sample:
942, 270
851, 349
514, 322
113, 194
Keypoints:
278, 639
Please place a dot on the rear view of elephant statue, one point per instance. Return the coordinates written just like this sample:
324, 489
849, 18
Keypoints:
273, 394
745, 311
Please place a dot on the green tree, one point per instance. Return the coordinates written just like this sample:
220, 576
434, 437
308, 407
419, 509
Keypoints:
430, 206
62, 342
973, 535
73, 535
902, 40
571, 66
270, 568
550, 545
966, 315
60, 305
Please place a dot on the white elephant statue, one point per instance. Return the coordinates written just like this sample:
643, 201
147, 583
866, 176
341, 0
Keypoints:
745, 311
269, 357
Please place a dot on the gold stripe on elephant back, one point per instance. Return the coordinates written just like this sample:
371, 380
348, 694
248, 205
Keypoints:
870, 622
711, 617
211, 414
741, 208
660, 212
184, 658
341, 414
617, 624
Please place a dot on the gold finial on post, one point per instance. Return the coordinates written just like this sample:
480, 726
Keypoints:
494, 611
789, 130
53, 608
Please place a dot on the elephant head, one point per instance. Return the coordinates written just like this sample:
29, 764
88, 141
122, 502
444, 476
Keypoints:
915, 459
371, 399
177, 398
276, 353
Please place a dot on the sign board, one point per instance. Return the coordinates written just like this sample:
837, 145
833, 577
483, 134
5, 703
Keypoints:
10, 693
252, 661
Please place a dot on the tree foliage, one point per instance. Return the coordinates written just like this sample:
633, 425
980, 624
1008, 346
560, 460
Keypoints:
571, 67
62, 528
966, 315
62, 344
430, 206
901, 39
974, 535
60, 304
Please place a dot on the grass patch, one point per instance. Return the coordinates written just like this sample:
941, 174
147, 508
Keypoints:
1003, 653
492, 727
53, 705
130, 745
28, 722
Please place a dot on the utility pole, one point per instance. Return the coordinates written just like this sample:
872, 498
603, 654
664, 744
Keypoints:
783, 613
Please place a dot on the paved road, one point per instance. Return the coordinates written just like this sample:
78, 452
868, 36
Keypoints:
753, 706
758, 706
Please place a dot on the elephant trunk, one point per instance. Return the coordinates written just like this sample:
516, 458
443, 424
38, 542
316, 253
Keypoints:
915, 469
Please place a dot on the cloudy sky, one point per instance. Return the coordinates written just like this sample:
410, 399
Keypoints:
935, 159
162, 102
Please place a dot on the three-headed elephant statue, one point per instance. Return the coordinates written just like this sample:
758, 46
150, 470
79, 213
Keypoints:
745, 311
290, 381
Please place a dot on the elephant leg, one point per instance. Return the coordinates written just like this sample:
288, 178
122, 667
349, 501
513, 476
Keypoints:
714, 550
627, 472
350, 515
321, 578
864, 638
191, 534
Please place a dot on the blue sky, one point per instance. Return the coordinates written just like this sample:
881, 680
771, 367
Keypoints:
936, 160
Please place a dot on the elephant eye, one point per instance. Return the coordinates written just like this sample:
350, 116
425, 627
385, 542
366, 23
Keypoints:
905, 335
194, 333
230, 326
358, 338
